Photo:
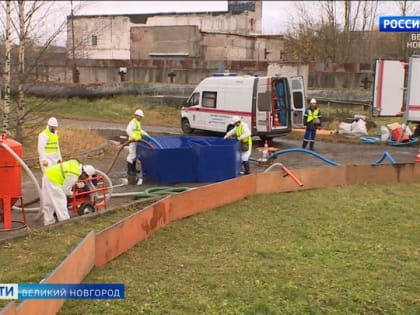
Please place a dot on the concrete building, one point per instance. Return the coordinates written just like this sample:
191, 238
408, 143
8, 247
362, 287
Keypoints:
98, 37
229, 35
189, 42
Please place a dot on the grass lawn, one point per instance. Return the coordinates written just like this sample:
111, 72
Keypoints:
32, 257
72, 141
113, 109
345, 250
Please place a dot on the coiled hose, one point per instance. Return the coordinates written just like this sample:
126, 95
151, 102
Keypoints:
159, 191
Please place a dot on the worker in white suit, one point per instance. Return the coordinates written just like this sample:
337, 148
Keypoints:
57, 184
243, 134
48, 145
135, 133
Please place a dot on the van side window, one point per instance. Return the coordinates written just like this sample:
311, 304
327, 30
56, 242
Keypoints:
264, 102
209, 99
298, 99
296, 85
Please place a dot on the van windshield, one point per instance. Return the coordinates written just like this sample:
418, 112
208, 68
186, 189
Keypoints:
193, 100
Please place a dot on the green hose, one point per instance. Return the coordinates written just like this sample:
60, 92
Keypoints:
159, 191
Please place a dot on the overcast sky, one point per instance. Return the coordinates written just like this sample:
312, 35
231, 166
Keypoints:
277, 15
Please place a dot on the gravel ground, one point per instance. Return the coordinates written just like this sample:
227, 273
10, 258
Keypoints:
338, 152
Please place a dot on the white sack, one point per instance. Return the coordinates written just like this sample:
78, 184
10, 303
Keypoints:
356, 128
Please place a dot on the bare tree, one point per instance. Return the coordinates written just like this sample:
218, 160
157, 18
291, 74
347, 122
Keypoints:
29, 22
347, 15
329, 9
21, 70
405, 7
7, 69
338, 37
369, 15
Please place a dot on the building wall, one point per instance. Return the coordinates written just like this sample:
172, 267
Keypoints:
113, 33
234, 21
112, 37
186, 70
94, 72
207, 46
236, 47
146, 40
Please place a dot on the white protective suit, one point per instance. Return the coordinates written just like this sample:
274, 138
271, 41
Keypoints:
131, 157
55, 198
246, 133
51, 158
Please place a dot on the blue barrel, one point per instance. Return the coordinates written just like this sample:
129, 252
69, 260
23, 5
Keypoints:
184, 159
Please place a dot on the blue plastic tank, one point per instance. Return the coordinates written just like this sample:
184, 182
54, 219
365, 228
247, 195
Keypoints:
184, 159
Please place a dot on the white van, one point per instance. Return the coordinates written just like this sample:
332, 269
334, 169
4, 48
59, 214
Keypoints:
270, 106
388, 90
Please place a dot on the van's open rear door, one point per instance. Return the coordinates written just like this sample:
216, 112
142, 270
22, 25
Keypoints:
297, 100
413, 90
388, 90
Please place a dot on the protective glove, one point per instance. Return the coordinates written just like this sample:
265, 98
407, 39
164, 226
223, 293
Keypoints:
45, 163
80, 185
225, 137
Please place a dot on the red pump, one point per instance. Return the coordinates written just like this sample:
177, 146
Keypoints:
10, 182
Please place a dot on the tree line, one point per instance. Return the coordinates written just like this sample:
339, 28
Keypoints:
345, 31
27, 33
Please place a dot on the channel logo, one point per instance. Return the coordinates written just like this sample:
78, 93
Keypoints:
8, 291
96, 291
409, 24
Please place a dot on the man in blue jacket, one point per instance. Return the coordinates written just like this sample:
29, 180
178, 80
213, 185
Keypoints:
312, 121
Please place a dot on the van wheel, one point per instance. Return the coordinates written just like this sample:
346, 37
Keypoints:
185, 126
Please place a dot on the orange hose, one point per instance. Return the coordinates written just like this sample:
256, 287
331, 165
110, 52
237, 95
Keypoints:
114, 160
288, 172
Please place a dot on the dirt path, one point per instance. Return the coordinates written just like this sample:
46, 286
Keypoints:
338, 152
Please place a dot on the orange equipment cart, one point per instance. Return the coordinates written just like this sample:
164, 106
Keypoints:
89, 195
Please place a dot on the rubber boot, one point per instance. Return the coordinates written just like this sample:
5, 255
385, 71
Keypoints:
131, 168
131, 173
246, 167
139, 172
311, 146
242, 172
304, 144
